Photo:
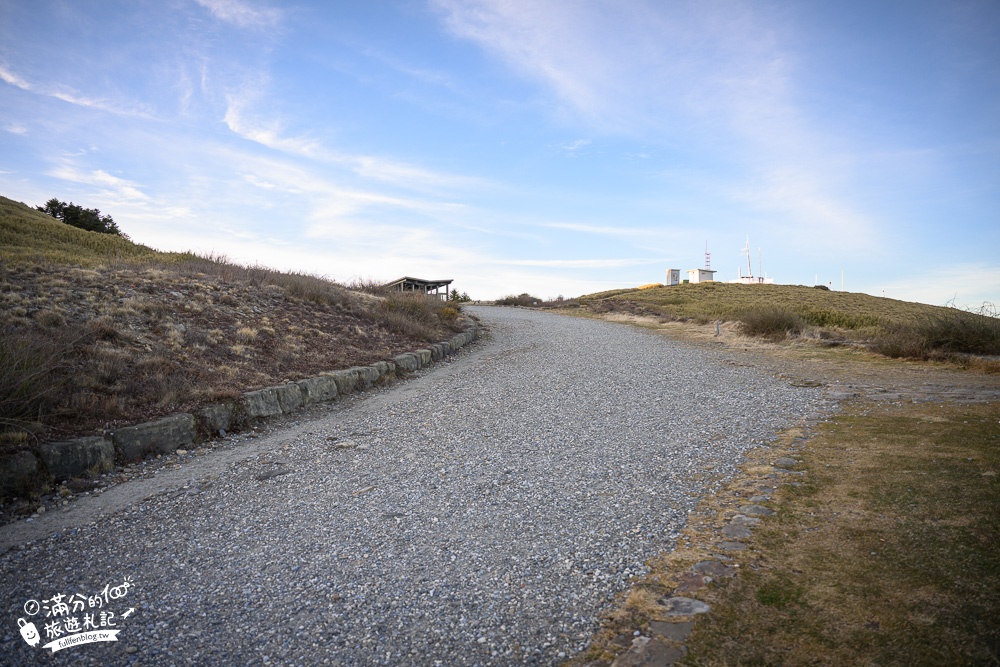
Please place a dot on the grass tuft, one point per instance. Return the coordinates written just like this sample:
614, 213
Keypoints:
942, 334
771, 323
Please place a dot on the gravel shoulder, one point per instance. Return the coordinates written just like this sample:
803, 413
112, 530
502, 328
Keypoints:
486, 512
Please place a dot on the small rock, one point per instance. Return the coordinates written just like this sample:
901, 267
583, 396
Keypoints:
648, 652
677, 632
181, 452
785, 462
736, 532
691, 582
743, 520
756, 510
681, 606
714, 568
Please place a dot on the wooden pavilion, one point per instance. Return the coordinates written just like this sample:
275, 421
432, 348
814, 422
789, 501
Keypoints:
408, 284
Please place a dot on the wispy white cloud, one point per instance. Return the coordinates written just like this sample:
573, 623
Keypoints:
266, 133
434, 77
717, 73
243, 14
330, 197
120, 188
70, 96
816, 213
16, 128
574, 148
271, 133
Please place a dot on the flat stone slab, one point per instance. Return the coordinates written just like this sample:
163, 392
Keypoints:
714, 568
648, 652
736, 532
786, 462
407, 361
744, 520
689, 582
261, 403
367, 376
17, 473
677, 632
681, 606
213, 419
289, 397
731, 546
72, 458
163, 436
756, 510
346, 380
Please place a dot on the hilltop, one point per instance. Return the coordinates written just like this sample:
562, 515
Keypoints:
779, 312
99, 332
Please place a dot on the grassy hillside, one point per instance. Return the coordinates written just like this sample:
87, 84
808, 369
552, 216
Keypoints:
725, 301
27, 235
895, 328
97, 331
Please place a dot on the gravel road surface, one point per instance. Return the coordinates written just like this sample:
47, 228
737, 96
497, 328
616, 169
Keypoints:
484, 512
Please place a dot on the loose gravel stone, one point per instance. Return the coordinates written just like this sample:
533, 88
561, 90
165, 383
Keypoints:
485, 512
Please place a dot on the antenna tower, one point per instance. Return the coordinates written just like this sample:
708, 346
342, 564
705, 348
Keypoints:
746, 251
708, 258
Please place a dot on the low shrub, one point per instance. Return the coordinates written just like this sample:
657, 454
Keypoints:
941, 335
417, 315
523, 299
29, 377
770, 323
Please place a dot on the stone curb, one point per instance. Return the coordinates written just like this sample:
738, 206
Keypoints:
663, 644
27, 471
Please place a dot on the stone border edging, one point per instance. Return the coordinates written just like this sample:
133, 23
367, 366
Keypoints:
26, 471
662, 644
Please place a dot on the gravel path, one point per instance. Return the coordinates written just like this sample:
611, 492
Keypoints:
482, 513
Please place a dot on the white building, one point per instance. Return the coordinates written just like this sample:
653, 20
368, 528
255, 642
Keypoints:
701, 275
753, 280
673, 277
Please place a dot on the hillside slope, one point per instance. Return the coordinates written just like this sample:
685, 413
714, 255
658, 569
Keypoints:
98, 332
888, 326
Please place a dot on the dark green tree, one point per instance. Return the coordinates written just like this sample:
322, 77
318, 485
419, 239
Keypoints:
77, 216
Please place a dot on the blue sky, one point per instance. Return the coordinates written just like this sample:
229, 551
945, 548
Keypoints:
547, 146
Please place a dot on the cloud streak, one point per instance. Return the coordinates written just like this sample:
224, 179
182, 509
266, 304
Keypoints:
111, 185
716, 70
271, 134
242, 14
71, 97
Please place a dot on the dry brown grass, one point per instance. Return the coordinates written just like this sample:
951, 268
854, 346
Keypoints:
123, 334
886, 556
887, 326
